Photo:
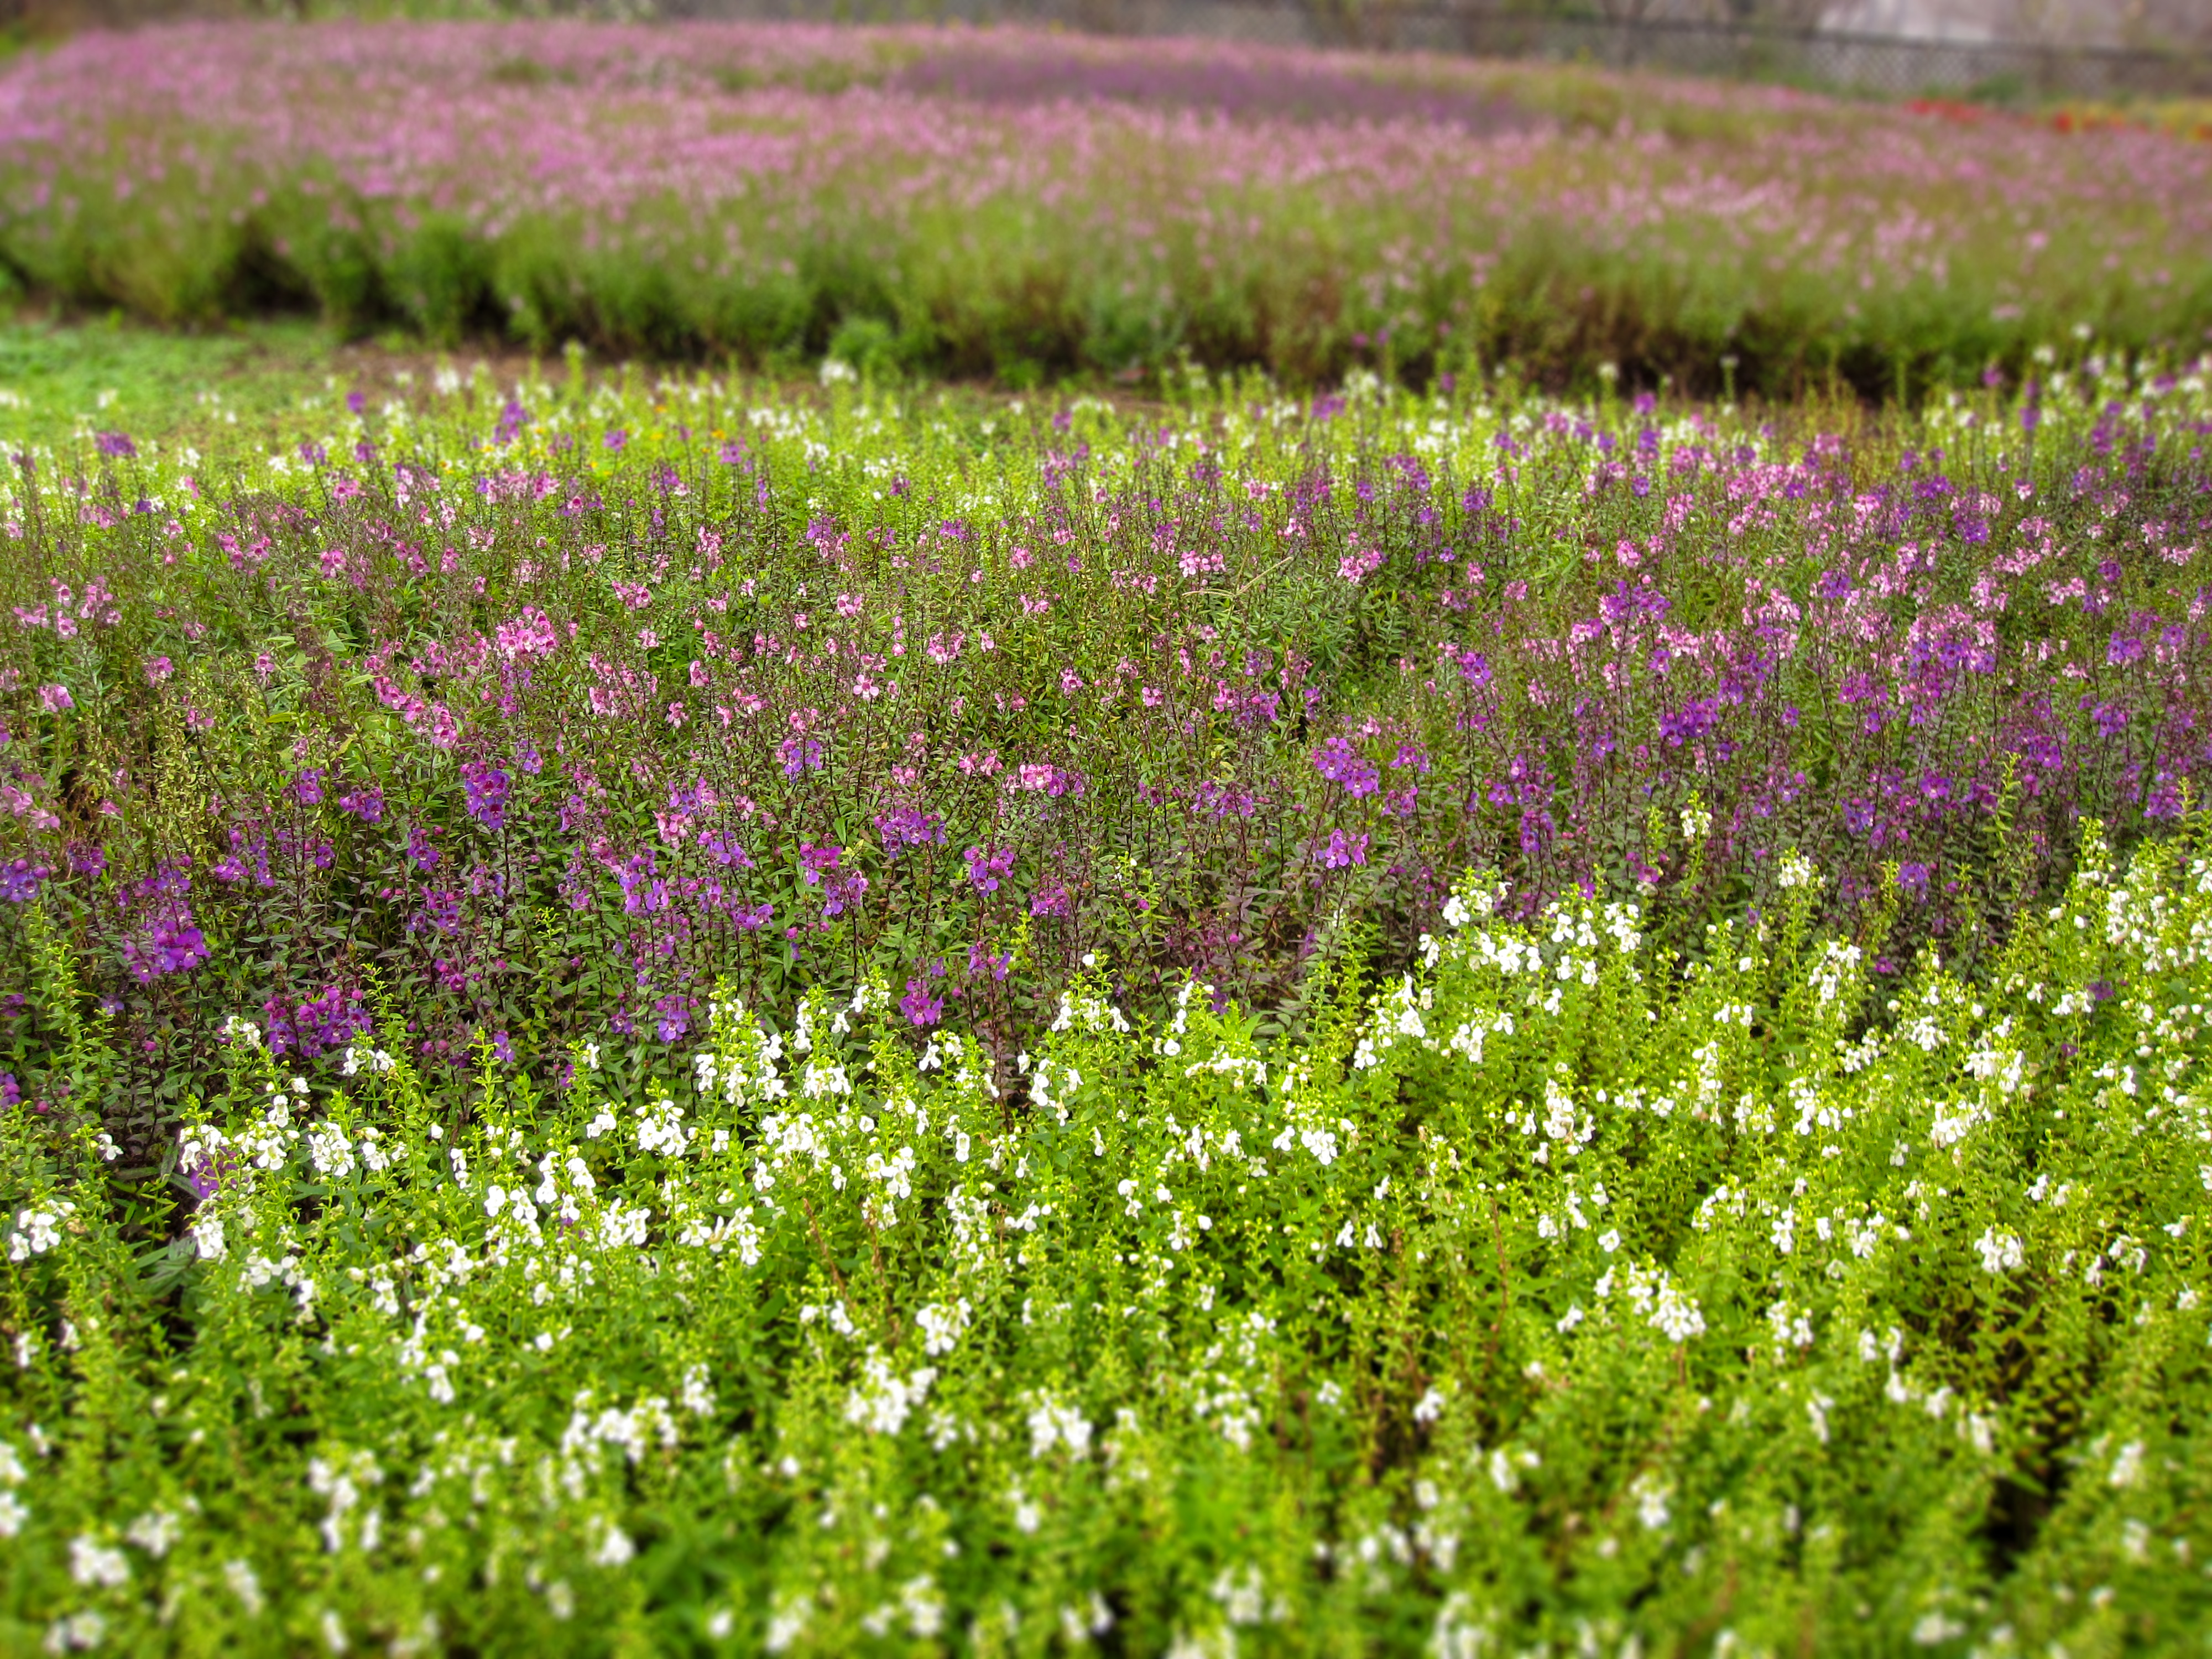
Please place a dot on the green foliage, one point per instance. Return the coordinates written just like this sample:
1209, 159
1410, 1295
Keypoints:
1557, 1292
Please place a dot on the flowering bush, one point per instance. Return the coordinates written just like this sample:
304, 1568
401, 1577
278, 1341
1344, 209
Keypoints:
854, 1024
1015, 203
1562, 1290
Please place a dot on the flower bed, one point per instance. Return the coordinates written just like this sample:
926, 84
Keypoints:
657, 1014
1024, 205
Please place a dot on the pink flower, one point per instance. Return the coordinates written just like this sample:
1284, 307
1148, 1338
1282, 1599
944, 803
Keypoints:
55, 698
159, 669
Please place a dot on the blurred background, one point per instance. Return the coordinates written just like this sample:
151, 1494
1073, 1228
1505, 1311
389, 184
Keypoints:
2004, 51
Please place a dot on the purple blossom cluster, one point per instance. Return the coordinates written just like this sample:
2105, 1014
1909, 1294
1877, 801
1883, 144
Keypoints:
1633, 652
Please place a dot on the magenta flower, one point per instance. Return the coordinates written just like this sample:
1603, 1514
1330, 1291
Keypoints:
1341, 852
1344, 765
918, 1007
987, 869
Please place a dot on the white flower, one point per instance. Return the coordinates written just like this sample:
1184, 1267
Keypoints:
330, 1151
2000, 1252
244, 1584
941, 1326
2127, 1467
80, 1630
614, 1548
153, 1532
882, 1400
1052, 1424
38, 1230
1796, 870
923, 1607
698, 1399
92, 1562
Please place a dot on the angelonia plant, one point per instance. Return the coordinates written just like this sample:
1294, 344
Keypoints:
1025, 204
658, 1015
1547, 1293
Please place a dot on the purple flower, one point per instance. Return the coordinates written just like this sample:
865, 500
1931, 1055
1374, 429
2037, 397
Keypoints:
799, 755
844, 894
365, 803
1693, 720
616, 439
20, 879
725, 848
307, 788
2109, 718
909, 826
986, 869
1341, 852
1474, 668
918, 1007
205, 1176
1913, 878
420, 853
643, 891
817, 861
329, 1020
980, 961
2124, 650
114, 445
169, 945
503, 1050
487, 788
1342, 764
1053, 899
441, 910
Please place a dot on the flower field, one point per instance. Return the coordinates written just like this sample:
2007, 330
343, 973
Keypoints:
1027, 206
651, 1015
